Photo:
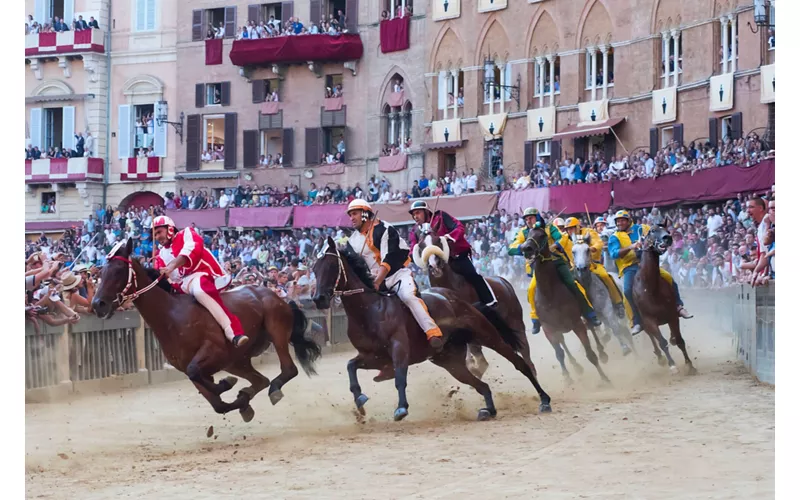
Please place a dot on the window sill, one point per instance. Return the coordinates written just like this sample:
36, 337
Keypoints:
600, 87
546, 94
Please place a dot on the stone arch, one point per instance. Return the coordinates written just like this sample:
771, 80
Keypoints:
595, 26
666, 15
52, 87
143, 85
142, 198
386, 85
722, 7
544, 36
492, 41
448, 52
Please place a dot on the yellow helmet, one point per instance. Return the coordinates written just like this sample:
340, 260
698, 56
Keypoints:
622, 214
559, 222
359, 204
573, 222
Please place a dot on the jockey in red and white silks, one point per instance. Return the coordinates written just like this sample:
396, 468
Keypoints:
191, 266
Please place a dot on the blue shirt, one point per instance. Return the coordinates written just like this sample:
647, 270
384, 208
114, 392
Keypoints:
423, 183
614, 246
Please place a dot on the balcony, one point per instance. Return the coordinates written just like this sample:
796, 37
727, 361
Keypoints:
63, 170
446, 134
297, 49
142, 169
67, 42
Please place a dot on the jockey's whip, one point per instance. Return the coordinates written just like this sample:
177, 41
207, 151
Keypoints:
588, 216
435, 206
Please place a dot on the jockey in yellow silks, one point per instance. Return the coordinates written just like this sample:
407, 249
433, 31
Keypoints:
573, 227
561, 247
624, 246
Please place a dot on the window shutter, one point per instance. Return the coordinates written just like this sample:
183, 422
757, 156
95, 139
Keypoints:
230, 22
249, 148
193, 139
140, 15
69, 16
36, 127
287, 11
653, 142
677, 133
160, 140
312, 146
150, 21
259, 91
442, 89
39, 15
199, 95
125, 131
253, 13
713, 130
288, 146
315, 12
230, 141
609, 147
528, 158
351, 12
68, 128
197, 24
555, 153
508, 71
226, 93
736, 126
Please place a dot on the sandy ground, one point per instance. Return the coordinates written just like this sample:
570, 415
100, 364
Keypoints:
649, 436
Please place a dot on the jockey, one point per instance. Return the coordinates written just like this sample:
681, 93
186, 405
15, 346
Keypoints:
558, 242
451, 228
624, 247
191, 267
573, 226
387, 255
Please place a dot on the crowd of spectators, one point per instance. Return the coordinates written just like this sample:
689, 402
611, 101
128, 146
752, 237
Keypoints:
335, 24
399, 11
84, 147
58, 25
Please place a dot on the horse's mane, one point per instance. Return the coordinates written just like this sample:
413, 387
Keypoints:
359, 266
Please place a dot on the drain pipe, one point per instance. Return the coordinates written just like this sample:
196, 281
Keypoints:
107, 169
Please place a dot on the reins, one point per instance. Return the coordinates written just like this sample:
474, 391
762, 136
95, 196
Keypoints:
340, 275
132, 282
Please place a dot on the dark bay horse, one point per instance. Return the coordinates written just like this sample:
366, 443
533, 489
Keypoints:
384, 332
656, 299
558, 310
432, 254
193, 342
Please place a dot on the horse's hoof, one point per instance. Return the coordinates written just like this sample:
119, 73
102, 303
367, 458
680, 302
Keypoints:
400, 414
578, 369
230, 381
662, 361
484, 414
247, 413
247, 392
626, 350
275, 396
673, 341
692, 370
674, 370
545, 408
361, 400
603, 357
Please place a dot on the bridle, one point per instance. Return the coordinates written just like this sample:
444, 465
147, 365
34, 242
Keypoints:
539, 247
132, 283
341, 274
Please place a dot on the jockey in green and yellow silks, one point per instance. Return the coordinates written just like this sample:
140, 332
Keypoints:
561, 248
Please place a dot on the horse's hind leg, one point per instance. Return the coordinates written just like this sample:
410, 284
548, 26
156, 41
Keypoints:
601, 351
655, 335
525, 351
580, 331
280, 332
452, 359
675, 335
478, 364
200, 371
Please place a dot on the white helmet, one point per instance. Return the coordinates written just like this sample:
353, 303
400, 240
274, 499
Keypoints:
359, 204
558, 222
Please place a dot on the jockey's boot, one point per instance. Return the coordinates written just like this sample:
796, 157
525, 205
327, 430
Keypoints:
591, 318
436, 343
683, 313
620, 310
536, 326
636, 330
239, 340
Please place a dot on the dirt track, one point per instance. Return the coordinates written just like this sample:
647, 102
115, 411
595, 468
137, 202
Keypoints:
650, 436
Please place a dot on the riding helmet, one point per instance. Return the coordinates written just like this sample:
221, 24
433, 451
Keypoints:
419, 205
530, 212
572, 222
359, 204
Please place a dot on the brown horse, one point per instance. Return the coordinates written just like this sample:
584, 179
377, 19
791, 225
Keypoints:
559, 311
193, 342
432, 254
656, 299
384, 332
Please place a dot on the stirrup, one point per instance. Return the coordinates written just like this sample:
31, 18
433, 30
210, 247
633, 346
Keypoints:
240, 340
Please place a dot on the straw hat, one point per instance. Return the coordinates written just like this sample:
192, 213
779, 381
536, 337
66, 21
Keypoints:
69, 281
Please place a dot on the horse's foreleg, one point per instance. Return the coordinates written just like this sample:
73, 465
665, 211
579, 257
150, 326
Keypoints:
399, 351
479, 365
258, 383
655, 334
580, 331
525, 352
362, 361
572, 360
675, 334
452, 360
600, 349
200, 371
220, 406
559, 356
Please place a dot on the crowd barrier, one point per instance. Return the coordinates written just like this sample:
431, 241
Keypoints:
98, 355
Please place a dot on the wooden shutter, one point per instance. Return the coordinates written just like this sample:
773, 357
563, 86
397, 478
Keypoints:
677, 133
259, 91
351, 11
199, 95
230, 141
313, 145
736, 126
125, 131
225, 96
249, 148
230, 22
713, 130
197, 24
609, 147
287, 11
68, 127
288, 146
37, 130
193, 142
555, 153
315, 12
254, 13
528, 158
653, 142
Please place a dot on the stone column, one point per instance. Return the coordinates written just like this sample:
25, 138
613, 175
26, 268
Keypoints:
676, 46
503, 83
550, 62
401, 139
540, 83
724, 25
454, 76
604, 50
665, 49
593, 71
734, 51
491, 94
392, 116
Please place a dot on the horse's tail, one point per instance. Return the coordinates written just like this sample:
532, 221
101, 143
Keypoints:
306, 350
508, 335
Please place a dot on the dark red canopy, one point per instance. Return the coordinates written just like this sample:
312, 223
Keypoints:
297, 49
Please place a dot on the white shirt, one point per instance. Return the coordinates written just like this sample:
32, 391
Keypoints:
224, 200
472, 182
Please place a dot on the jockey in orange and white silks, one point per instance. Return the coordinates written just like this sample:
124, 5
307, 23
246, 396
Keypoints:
192, 267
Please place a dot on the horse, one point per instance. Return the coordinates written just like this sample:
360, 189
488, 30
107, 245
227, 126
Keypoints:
193, 342
384, 332
559, 311
598, 293
432, 253
656, 299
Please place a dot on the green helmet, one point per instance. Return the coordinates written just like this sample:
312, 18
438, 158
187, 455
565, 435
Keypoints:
530, 211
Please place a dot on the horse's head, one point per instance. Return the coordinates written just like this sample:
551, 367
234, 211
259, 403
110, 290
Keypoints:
657, 240
536, 244
581, 255
329, 270
115, 280
431, 252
